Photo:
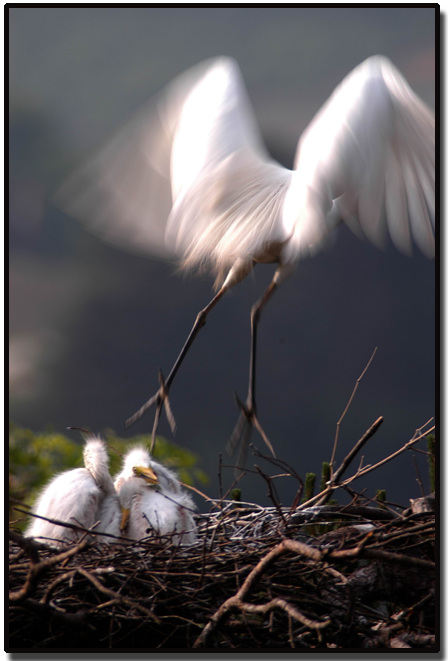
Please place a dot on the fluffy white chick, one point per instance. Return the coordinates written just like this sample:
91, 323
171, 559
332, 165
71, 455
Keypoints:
152, 500
82, 496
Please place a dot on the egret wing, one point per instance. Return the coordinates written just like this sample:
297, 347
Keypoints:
215, 120
371, 150
124, 192
189, 176
72, 496
228, 195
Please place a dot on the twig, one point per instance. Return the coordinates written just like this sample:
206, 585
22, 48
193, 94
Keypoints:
322, 497
196, 490
272, 493
118, 598
354, 451
369, 469
290, 472
237, 600
72, 526
229, 574
338, 424
418, 477
27, 544
237, 479
57, 615
37, 568
276, 602
386, 556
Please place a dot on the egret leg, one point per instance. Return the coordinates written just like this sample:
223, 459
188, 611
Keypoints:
248, 417
161, 396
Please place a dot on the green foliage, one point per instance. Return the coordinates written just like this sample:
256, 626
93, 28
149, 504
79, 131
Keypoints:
380, 497
310, 482
325, 475
235, 494
34, 458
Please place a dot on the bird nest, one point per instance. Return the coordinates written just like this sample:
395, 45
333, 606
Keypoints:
324, 577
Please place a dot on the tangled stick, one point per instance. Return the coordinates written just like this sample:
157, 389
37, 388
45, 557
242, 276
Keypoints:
304, 590
115, 597
38, 566
338, 424
287, 602
237, 600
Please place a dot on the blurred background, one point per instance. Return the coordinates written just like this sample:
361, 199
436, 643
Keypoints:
90, 325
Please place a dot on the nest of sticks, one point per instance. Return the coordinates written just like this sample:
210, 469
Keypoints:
315, 575
324, 577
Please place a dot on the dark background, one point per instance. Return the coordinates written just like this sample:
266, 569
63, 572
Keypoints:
90, 325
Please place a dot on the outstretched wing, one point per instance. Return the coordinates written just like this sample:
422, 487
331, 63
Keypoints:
371, 151
228, 195
124, 192
189, 176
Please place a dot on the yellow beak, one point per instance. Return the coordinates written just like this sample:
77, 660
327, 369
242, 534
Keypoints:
146, 473
125, 513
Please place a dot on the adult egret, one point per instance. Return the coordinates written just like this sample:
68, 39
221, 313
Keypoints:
152, 500
190, 177
82, 496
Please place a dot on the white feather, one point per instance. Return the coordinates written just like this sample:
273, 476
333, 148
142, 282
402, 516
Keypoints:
83, 496
370, 151
190, 175
157, 510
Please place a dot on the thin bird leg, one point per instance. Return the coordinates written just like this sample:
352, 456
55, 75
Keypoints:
161, 395
248, 417
254, 320
169, 414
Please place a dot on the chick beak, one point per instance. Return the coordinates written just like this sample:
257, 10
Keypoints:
146, 473
125, 513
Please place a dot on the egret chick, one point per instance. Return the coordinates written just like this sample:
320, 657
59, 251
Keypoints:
82, 496
136, 456
152, 500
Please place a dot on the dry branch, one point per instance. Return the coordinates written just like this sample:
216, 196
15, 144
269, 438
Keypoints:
237, 600
308, 577
344, 413
254, 580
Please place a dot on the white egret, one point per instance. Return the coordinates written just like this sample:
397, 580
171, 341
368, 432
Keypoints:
152, 500
366, 159
82, 496
135, 456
